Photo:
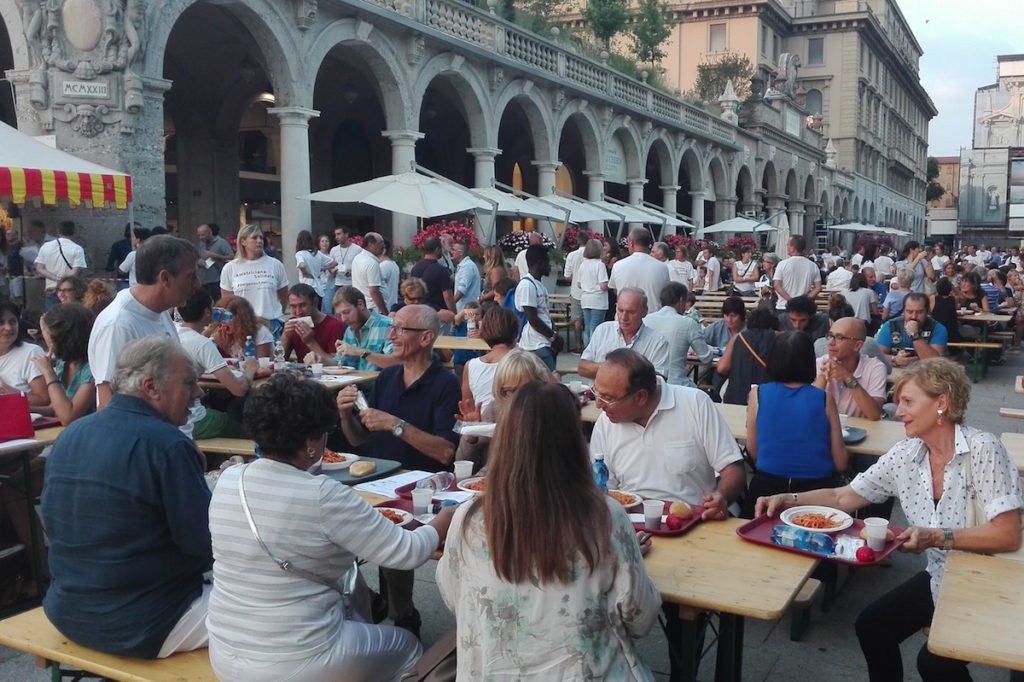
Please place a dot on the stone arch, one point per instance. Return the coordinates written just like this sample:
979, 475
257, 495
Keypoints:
837, 209
473, 97
541, 126
265, 21
717, 176
690, 178
769, 179
659, 163
583, 118
792, 186
380, 58
745, 188
623, 129
11, 21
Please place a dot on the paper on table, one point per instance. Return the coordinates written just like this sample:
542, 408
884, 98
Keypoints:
459, 496
16, 444
386, 486
338, 379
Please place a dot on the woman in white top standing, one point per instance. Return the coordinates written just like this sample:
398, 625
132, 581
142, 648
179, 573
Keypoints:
862, 298
680, 269
745, 273
268, 623
311, 262
257, 278
593, 288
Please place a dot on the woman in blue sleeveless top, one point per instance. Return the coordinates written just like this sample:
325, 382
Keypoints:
793, 429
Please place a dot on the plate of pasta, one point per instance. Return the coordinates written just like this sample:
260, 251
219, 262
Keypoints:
818, 519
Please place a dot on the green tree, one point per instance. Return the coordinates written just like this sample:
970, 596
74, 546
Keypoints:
605, 18
715, 71
933, 191
651, 28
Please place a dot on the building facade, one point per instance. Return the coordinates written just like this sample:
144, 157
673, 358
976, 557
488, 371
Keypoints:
236, 111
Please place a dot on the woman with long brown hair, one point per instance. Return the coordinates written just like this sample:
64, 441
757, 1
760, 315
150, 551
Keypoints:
544, 557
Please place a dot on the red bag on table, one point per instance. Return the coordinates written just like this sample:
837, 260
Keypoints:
15, 418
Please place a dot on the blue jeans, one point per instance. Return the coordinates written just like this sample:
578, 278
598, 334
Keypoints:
326, 306
591, 318
545, 356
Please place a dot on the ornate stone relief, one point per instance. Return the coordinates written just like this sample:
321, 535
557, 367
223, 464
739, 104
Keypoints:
82, 54
414, 53
305, 14
497, 77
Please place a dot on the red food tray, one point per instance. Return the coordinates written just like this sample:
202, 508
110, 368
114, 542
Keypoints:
405, 491
404, 505
665, 532
760, 531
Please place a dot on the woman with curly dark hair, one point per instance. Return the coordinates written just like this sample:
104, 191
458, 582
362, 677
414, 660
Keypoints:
270, 620
230, 336
65, 370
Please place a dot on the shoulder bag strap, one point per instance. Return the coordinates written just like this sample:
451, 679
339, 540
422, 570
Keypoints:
61, 249
285, 564
752, 351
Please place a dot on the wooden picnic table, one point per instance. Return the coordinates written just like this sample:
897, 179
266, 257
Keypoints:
330, 381
460, 343
711, 568
882, 435
1014, 444
979, 600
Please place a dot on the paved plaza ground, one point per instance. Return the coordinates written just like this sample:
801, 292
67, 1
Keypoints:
829, 649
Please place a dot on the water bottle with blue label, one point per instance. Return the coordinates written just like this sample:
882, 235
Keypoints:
804, 540
250, 347
601, 473
438, 482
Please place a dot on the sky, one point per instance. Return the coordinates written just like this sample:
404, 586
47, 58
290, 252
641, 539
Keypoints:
960, 41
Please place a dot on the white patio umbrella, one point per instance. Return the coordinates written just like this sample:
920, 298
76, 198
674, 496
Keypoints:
511, 205
579, 211
737, 225
631, 214
782, 236
409, 193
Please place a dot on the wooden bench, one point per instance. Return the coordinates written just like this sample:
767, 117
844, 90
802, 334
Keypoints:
976, 352
33, 633
1014, 444
1018, 384
801, 608
1011, 412
227, 446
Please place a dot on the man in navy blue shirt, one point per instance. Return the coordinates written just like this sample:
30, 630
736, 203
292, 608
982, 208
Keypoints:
440, 290
410, 418
125, 507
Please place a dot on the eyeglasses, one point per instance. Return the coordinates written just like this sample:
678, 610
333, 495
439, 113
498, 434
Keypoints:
608, 402
839, 338
65, 290
398, 330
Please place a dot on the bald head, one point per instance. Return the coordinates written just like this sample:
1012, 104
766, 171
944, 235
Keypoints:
846, 337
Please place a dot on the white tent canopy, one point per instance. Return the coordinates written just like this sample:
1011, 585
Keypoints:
579, 211
511, 205
738, 225
410, 193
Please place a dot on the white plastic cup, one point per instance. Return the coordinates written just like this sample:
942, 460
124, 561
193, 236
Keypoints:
875, 530
576, 387
652, 514
317, 368
264, 363
421, 498
463, 469
844, 421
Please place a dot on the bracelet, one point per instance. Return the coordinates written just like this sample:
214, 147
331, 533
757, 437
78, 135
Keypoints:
51, 382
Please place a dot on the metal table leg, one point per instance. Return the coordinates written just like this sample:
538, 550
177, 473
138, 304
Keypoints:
729, 663
37, 547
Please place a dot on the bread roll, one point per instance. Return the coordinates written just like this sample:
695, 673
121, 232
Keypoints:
889, 535
362, 468
680, 509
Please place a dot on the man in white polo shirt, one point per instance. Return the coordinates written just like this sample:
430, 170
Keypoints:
366, 272
626, 331
640, 269
796, 275
662, 441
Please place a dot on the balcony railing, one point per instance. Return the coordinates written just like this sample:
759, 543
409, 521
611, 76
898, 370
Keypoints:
471, 24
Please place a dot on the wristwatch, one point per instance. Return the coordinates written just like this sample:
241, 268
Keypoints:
852, 382
947, 538
362, 356
399, 429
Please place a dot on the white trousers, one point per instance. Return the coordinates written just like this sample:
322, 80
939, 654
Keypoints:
189, 632
371, 653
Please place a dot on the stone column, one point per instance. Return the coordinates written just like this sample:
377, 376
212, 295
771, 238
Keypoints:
595, 192
484, 166
725, 209
636, 195
294, 172
546, 176
403, 158
697, 199
669, 196
796, 217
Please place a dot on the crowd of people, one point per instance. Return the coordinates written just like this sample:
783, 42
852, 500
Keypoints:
133, 528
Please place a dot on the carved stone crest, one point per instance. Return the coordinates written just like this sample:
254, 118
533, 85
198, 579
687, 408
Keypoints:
305, 14
497, 74
86, 119
414, 53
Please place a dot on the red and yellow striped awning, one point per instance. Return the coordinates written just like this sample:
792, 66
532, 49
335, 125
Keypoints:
97, 189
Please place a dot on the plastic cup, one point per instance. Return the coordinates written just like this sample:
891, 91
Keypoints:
463, 469
421, 498
264, 363
317, 368
844, 421
652, 514
576, 387
875, 530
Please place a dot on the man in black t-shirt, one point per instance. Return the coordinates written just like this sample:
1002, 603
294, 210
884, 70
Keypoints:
440, 291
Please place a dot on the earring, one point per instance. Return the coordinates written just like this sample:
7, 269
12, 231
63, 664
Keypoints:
939, 412
311, 452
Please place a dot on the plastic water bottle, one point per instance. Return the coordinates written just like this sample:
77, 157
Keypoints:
438, 506
250, 347
278, 355
470, 325
437, 482
601, 473
802, 539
